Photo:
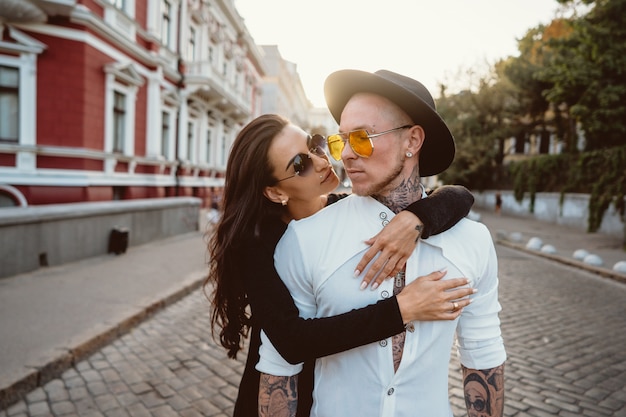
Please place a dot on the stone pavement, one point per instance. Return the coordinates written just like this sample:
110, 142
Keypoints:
72, 342
54, 317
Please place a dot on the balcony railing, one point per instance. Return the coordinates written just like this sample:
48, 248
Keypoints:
205, 73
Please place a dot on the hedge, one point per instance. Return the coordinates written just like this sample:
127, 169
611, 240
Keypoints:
601, 173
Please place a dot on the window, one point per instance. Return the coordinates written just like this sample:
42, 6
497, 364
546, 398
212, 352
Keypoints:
190, 136
223, 156
18, 90
208, 146
118, 193
122, 83
165, 134
120, 14
191, 47
162, 24
166, 16
9, 104
119, 122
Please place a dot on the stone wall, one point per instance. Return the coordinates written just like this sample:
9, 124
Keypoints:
47, 235
573, 213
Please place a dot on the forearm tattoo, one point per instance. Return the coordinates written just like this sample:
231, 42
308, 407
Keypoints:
278, 395
484, 392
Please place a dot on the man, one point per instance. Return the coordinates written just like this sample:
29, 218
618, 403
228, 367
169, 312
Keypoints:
392, 136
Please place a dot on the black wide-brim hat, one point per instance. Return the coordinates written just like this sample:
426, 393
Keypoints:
437, 152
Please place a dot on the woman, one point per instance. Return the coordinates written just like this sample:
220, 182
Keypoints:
276, 174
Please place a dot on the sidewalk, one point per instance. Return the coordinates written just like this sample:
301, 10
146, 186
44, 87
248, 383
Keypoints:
53, 317
564, 239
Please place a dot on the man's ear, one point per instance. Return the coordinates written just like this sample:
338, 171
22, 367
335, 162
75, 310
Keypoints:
275, 194
417, 139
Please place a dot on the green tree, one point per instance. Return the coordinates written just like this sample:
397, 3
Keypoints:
569, 74
460, 116
479, 123
587, 71
534, 114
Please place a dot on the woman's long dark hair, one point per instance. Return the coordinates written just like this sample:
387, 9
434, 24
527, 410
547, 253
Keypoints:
244, 208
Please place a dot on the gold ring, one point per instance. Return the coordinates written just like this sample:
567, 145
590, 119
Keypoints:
455, 306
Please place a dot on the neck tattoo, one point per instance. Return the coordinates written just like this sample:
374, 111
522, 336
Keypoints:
406, 193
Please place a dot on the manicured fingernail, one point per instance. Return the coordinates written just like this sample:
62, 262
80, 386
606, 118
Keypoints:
444, 269
363, 285
474, 290
374, 286
356, 273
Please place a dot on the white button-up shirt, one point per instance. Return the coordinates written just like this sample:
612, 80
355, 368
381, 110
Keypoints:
316, 258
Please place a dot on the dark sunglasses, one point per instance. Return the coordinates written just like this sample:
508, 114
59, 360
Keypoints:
478, 404
302, 162
317, 145
360, 141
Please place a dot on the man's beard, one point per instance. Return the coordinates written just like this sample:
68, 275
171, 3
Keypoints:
379, 187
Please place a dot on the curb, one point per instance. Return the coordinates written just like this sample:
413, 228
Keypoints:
61, 359
604, 272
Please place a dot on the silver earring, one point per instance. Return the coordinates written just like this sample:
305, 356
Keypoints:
409, 155
283, 202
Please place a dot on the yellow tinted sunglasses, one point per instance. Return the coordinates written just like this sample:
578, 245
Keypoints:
360, 141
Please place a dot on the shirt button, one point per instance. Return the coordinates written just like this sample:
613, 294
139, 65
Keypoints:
383, 343
390, 392
382, 215
385, 294
385, 223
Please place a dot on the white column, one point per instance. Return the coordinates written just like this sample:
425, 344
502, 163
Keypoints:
26, 160
154, 116
182, 127
110, 162
203, 122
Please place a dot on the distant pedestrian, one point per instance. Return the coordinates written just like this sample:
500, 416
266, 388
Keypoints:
498, 203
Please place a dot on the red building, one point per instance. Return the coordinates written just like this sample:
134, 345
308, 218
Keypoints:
121, 99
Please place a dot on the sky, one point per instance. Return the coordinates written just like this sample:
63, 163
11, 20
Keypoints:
436, 41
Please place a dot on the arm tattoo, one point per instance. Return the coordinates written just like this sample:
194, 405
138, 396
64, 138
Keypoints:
278, 395
484, 392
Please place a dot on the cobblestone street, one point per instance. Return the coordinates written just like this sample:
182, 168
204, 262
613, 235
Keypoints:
563, 329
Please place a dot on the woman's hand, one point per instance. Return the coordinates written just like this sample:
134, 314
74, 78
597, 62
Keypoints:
429, 298
395, 243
